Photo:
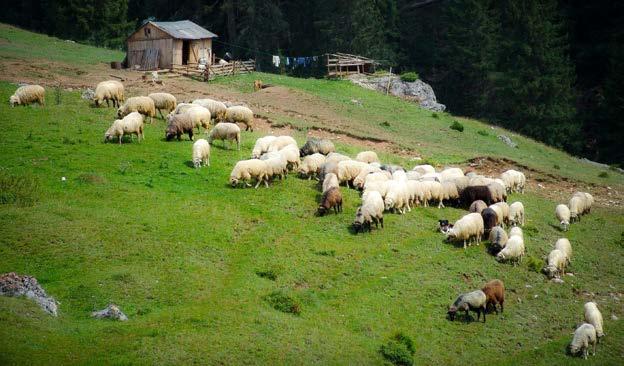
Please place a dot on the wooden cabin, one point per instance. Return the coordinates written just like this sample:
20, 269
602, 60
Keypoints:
160, 45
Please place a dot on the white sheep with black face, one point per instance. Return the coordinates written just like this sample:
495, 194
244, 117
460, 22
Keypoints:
370, 211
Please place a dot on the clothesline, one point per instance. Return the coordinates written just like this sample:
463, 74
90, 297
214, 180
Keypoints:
301, 60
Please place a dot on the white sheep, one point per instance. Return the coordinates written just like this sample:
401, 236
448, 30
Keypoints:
371, 211
413, 175
424, 169
200, 116
110, 90
311, 165
399, 175
397, 196
349, 169
358, 182
246, 170
565, 247
201, 153
330, 181
28, 94
584, 336
143, 105
281, 142
378, 186
556, 263
468, 228
514, 181
416, 192
563, 215
498, 237
291, 154
516, 231
432, 193
335, 157
225, 132
214, 106
132, 124
576, 206
182, 107
516, 214
513, 250
499, 214
237, 114
450, 193
261, 146
367, 157
505, 211
277, 164
451, 173
164, 102
593, 316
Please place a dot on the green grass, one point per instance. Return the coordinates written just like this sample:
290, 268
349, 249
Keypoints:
200, 268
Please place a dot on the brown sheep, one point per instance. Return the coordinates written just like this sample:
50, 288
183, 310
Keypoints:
332, 198
495, 294
179, 124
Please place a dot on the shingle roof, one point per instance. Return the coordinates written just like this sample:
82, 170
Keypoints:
184, 29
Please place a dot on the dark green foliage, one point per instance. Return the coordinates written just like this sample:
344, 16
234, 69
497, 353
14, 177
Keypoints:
326, 253
603, 175
283, 302
435, 115
483, 133
385, 124
534, 264
399, 350
268, 274
556, 167
21, 190
457, 126
410, 76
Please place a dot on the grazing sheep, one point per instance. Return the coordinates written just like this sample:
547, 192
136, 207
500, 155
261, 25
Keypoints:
179, 124
479, 180
367, 157
563, 215
475, 301
291, 154
237, 114
514, 181
246, 170
397, 196
182, 107
516, 214
214, 106
391, 168
328, 167
431, 177
311, 165
424, 169
261, 146
336, 157
467, 228
432, 193
398, 175
416, 191
576, 206
143, 105
565, 247
498, 239
371, 211
349, 169
500, 216
584, 336
110, 90
225, 132
593, 316
278, 166
164, 102
358, 182
201, 153
332, 198
281, 142
413, 175
378, 186
200, 116
28, 94
516, 231
314, 146
477, 206
556, 264
513, 250
330, 181
450, 193
490, 219
504, 210
495, 294
451, 173
132, 124
475, 193
497, 191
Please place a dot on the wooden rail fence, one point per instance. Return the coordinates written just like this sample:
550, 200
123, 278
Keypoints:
213, 71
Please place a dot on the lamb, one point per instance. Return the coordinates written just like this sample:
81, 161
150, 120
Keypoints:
513, 250
563, 215
214, 106
164, 102
495, 294
336, 158
477, 206
565, 247
349, 169
556, 264
314, 146
594, 317
225, 131
281, 142
371, 211
584, 336
200, 116
110, 90
516, 231
475, 301
474, 193
516, 214
490, 219
498, 239
469, 227
179, 124
424, 169
397, 196
332, 198
201, 153
278, 166
237, 114
246, 170
129, 125
143, 105
262, 146
504, 210
311, 165
367, 157
28, 94
330, 181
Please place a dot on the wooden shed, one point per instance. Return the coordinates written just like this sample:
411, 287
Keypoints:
160, 45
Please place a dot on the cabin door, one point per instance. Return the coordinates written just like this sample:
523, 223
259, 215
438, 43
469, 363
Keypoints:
186, 49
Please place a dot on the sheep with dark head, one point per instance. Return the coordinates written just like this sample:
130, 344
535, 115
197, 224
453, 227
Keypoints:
332, 198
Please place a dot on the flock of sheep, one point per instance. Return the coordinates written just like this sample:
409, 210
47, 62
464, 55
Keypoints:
385, 187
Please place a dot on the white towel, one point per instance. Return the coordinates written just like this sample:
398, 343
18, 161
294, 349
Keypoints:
276, 61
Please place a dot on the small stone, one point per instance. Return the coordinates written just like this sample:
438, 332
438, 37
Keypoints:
557, 280
535, 296
570, 274
110, 312
63, 179
614, 317
528, 286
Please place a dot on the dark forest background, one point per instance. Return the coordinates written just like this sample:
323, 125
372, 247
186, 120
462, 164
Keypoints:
553, 70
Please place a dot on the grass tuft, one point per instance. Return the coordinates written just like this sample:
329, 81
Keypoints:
91, 178
283, 302
603, 175
483, 133
22, 190
457, 126
399, 350
535, 264
268, 274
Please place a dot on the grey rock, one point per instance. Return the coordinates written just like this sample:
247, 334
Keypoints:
88, 94
14, 285
112, 311
507, 141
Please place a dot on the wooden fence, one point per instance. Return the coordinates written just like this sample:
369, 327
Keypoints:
216, 70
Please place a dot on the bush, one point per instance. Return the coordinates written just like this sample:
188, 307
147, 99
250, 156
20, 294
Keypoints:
535, 264
556, 167
399, 350
268, 274
603, 175
283, 302
435, 115
457, 126
21, 190
385, 124
483, 133
410, 76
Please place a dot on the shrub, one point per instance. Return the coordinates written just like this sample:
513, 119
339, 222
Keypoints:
483, 133
268, 274
435, 115
21, 190
535, 264
410, 76
385, 124
283, 302
556, 167
603, 175
457, 126
399, 350
326, 253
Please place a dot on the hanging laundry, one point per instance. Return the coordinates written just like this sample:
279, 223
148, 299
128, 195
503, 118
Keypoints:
301, 61
287, 61
276, 61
